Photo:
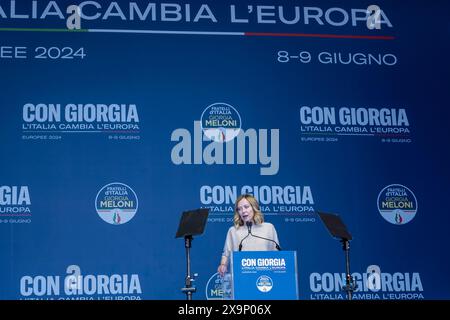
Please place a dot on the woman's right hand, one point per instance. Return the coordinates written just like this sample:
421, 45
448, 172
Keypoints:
222, 269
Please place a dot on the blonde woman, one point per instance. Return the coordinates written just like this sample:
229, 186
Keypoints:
249, 232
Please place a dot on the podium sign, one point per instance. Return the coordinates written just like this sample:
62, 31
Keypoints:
264, 275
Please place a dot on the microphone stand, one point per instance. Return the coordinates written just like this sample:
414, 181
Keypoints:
240, 244
276, 244
188, 289
350, 285
249, 226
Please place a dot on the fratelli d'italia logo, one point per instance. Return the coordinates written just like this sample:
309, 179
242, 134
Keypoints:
397, 204
116, 203
221, 122
219, 287
264, 283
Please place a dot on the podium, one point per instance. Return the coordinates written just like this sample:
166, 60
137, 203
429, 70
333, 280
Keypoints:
263, 275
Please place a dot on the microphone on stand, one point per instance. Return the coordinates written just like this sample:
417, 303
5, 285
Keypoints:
249, 227
276, 244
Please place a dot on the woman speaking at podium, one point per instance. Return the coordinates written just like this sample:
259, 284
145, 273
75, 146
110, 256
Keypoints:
249, 232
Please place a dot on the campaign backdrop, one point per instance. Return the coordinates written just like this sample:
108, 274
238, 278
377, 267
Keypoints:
117, 116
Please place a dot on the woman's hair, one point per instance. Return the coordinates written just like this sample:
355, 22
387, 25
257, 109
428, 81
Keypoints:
257, 217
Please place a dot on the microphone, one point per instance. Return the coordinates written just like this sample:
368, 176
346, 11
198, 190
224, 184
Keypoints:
249, 226
276, 244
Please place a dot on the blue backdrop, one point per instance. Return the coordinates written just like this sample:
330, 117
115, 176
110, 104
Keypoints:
106, 139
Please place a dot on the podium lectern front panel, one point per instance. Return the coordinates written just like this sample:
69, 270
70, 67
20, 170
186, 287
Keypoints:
264, 275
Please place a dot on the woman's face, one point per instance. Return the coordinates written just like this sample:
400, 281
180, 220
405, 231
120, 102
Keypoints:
245, 210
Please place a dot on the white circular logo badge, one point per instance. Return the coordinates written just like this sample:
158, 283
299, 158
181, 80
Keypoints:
397, 204
264, 283
116, 203
221, 122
